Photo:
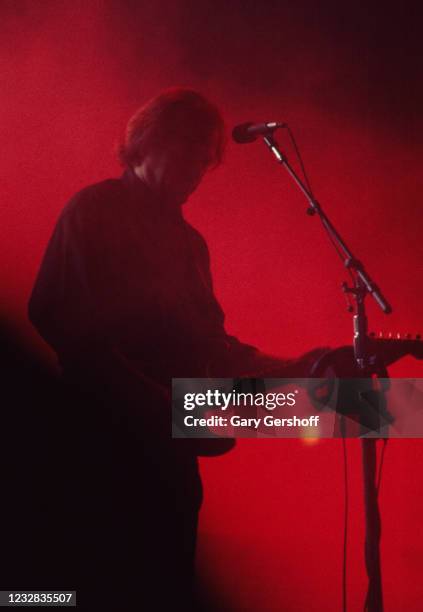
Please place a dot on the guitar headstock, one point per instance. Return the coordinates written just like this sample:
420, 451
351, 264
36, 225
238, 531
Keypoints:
391, 347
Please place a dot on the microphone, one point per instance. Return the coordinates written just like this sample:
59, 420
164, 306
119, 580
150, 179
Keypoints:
249, 132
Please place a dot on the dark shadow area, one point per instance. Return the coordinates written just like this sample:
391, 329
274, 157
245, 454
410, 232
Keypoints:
84, 506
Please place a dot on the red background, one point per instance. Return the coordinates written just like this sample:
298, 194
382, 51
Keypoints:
347, 81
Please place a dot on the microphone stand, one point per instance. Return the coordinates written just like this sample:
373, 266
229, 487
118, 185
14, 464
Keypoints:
363, 286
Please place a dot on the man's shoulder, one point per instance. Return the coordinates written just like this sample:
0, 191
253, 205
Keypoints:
95, 198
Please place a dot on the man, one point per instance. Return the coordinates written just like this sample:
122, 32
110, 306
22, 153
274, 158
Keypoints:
124, 296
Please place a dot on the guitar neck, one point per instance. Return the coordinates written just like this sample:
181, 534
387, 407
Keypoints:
392, 348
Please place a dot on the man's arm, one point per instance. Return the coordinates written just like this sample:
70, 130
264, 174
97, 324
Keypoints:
233, 358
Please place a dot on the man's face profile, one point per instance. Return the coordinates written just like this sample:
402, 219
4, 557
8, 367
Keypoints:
174, 169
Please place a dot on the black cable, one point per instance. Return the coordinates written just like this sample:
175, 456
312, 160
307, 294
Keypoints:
346, 498
307, 182
300, 159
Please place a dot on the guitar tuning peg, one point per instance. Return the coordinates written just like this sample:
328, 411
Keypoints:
390, 335
398, 336
380, 334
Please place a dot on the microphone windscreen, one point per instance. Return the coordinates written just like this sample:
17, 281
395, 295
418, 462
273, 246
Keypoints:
241, 135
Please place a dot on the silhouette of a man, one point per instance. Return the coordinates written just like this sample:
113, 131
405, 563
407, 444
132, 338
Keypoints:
125, 298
